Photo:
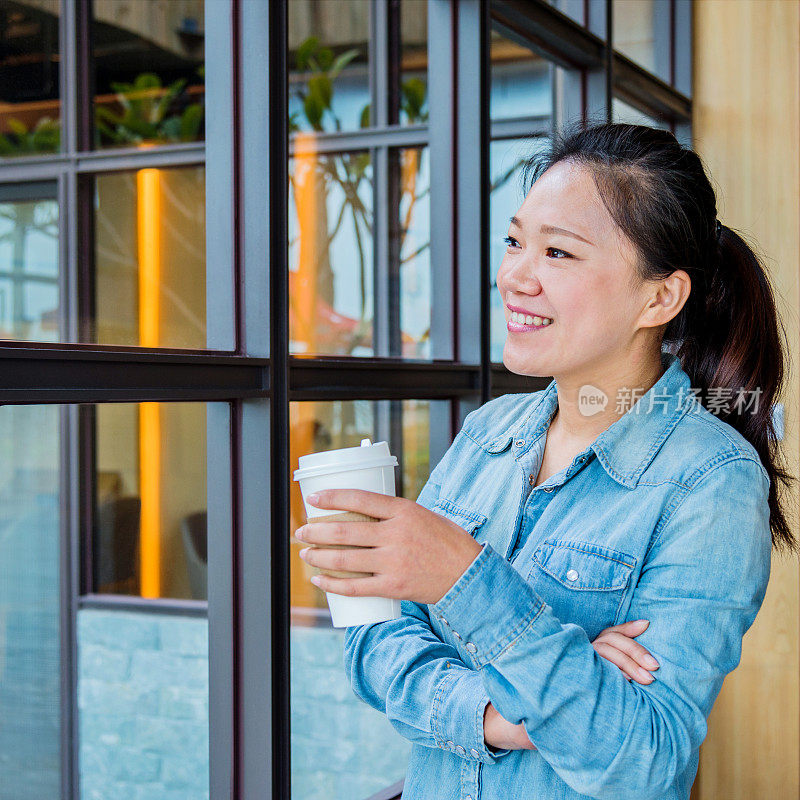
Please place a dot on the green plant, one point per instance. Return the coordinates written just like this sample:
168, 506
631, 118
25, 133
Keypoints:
44, 137
145, 105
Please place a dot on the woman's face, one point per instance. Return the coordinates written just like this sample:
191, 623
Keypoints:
581, 277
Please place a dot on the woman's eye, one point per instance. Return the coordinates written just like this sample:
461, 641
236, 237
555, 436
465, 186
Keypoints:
563, 252
509, 239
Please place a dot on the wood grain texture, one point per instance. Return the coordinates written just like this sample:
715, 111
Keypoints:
746, 128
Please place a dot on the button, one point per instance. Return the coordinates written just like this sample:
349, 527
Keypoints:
572, 575
460, 750
474, 753
450, 744
471, 647
549, 488
456, 634
520, 443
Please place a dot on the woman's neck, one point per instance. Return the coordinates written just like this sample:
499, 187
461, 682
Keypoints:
589, 405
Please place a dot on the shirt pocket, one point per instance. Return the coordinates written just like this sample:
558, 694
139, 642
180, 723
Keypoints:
583, 582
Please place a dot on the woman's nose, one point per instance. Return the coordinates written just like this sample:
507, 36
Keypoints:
518, 277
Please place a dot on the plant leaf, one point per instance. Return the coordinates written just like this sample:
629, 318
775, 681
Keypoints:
305, 50
342, 61
321, 86
325, 56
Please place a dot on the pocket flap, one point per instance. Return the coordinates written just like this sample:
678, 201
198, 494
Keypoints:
585, 565
463, 517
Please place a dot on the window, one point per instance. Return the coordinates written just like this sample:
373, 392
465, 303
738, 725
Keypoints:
184, 312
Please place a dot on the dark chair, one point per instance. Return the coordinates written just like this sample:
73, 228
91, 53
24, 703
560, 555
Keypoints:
194, 532
116, 552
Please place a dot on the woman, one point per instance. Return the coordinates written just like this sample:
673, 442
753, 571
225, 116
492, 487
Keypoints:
639, 485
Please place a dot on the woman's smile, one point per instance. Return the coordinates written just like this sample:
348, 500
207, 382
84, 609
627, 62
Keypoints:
517, 323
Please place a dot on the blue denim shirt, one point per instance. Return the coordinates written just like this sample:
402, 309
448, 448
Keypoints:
663, 517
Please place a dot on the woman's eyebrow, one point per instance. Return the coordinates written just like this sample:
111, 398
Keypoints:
553, 229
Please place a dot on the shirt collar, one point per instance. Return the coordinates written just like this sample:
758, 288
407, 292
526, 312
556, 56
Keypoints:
625, 448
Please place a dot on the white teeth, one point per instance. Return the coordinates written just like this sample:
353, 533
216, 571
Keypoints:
527, 319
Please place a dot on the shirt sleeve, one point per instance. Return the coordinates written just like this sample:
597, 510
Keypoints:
701, 586
403, 669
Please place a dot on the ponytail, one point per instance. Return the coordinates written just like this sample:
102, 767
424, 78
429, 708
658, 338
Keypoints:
732, 348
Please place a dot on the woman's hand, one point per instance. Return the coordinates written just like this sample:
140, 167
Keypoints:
500, 734
413, 553
616, 645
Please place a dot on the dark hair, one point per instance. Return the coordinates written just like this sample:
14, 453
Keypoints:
727, 334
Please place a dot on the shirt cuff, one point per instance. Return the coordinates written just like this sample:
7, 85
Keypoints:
489, 607
457, 718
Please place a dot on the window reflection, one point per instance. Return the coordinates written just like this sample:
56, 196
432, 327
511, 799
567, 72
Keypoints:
29, 603
413, 96
150, 499
330, 253
410, 254
623, 112
328, 65
149, 72
520, 81
150, 258
572, 8
29, 294
636, 23
29, 91
326, 717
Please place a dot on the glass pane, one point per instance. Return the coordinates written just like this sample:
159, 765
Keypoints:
410, 252
29, 287
328, 65
623, 112
148, 59
572, 8
521, 83
149, 238
29, 603
342, 749
642, 33
150, 496
142, 705
29, 94
506, 158
414, 62
330, 253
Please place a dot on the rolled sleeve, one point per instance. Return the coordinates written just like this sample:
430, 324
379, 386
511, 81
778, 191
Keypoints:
489, 606
457, 715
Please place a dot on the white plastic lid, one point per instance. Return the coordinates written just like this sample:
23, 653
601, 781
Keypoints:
347, 458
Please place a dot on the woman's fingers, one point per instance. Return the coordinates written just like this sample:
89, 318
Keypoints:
355, 559
628, 666
632, 628
354, 534
633, 649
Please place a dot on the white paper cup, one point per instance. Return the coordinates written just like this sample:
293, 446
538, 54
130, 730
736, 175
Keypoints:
369, 467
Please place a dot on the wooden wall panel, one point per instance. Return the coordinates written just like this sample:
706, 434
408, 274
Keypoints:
747, 130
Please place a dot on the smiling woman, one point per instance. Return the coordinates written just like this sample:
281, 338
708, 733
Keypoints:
578, 522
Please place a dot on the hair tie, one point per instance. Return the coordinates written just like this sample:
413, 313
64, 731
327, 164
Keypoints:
719, 229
